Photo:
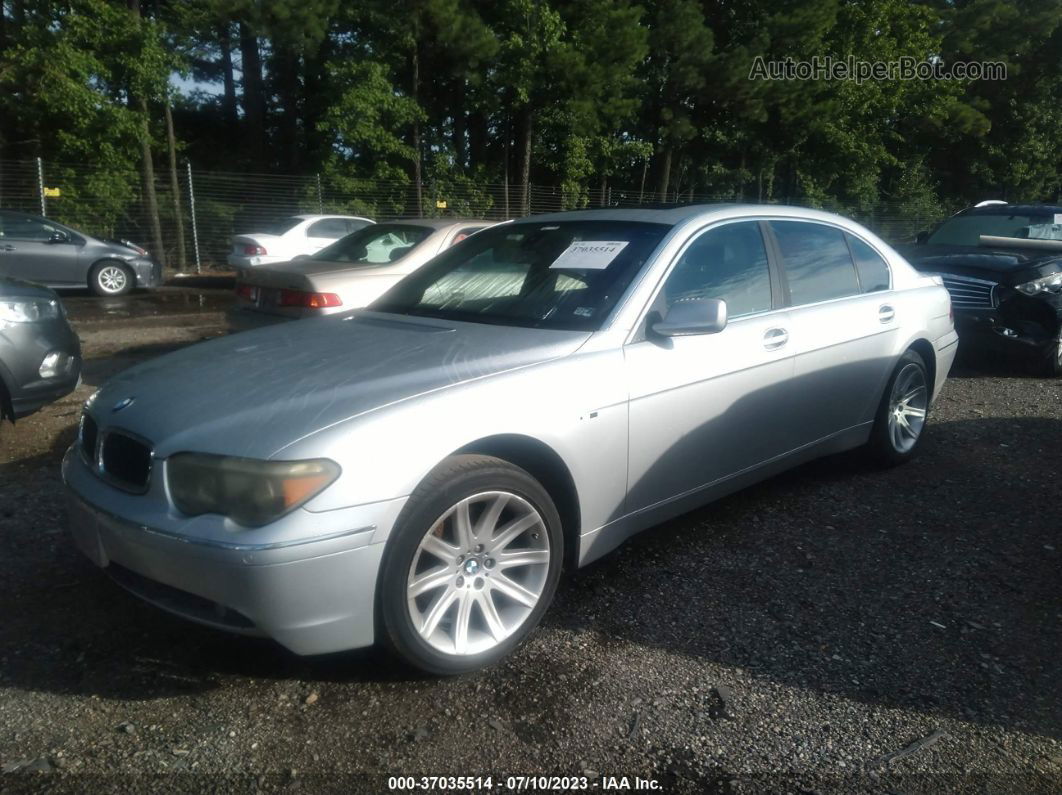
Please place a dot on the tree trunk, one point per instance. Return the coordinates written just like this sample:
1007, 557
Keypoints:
604, 188
664, 177
228, 100
286, 76
525, 121
477, 140
460, 125
175, 185
253, 96
416, 128
147, 167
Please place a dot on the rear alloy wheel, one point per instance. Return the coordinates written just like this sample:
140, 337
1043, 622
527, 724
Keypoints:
110, 278
903, 411
1052, 361
462, 589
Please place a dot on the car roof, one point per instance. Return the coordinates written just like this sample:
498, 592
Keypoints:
439, 223
1015, 209
314, 217
675, 214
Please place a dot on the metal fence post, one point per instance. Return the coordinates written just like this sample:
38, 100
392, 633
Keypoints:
40, 187
195, 229
320, 198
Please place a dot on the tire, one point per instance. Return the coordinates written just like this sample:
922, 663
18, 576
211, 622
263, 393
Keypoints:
451, 616
899, 424
110, 278
1051, 363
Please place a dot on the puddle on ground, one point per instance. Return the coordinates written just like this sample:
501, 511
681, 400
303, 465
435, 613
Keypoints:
82, 306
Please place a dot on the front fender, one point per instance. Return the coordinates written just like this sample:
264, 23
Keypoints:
576, 406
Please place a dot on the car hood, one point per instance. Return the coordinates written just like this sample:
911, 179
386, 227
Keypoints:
253, 393
995, 264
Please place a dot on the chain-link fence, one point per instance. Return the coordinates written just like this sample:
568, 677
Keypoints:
208, 207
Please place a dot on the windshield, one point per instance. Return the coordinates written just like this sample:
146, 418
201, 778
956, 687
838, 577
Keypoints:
563, 275
280, 227
966, 230
379, 244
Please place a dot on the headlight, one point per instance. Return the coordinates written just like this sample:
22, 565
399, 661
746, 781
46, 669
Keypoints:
27, 311
1052, 282
248, 491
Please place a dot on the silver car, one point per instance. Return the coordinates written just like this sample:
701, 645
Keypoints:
418, 473
349, 274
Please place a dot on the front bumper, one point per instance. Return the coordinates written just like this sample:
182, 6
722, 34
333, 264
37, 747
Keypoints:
313, 596
148, 272
1019, 324
23, 348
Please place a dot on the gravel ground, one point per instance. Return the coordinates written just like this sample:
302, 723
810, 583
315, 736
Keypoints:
838, 628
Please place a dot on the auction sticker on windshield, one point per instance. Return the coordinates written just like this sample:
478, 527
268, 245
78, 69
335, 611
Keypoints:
589, 254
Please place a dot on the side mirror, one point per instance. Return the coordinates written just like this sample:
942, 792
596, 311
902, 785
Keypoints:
692, 316
921, 238
59, 237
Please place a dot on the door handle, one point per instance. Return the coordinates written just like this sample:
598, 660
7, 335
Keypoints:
775, 338
886, 313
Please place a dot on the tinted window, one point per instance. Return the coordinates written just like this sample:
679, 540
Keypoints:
354, 224
23, 227
966, 230
376, 244
562, 274
333, 228
873, 270
817, 262
729, 262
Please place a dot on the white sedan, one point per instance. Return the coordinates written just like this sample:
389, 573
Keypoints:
349, 274
297, 236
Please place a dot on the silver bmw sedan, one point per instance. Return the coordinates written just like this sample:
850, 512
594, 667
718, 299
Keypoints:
418, 473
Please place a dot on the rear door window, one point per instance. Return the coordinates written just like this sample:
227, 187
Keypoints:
817, 261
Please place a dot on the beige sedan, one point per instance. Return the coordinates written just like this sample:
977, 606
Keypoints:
350, 273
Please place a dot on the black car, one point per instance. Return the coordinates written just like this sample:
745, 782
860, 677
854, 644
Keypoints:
47, 252
1002, 265
40, 355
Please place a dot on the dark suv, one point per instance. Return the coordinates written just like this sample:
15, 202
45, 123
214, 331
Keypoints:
40, 355
1002, 265
44, 251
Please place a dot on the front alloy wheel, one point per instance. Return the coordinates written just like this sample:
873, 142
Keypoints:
111, 279
478, 573
471, 565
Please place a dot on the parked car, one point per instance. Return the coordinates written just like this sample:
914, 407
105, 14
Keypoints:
40, 355
297, 236
417, 473
44, 251
1002, 264
350, 273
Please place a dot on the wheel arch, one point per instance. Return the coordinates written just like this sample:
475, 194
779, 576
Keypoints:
924, 348
544, 464
103, 261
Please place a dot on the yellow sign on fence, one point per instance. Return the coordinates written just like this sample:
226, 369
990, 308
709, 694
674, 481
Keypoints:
52, 193
440, 204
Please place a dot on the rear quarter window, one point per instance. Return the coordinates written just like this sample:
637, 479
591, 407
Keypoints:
873, 270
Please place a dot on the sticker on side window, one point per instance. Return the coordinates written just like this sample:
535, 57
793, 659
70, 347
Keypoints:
589, 255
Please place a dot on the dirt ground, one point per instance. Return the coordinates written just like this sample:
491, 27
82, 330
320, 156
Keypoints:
838, 628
